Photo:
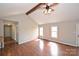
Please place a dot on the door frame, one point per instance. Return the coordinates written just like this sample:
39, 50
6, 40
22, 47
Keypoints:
10, 30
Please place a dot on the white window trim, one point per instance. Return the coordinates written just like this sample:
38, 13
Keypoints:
41, 34
54, 31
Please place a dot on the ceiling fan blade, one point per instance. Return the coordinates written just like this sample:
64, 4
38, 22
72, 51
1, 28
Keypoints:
54, 4
33, 9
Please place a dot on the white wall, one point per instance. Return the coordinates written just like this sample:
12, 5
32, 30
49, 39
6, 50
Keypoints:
27, 28
66, 32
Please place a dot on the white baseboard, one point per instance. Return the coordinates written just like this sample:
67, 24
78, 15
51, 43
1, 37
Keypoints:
68, 44
63, 43
25, 41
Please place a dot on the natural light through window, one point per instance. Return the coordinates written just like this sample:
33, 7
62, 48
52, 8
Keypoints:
54, 31
41, 31
53, 48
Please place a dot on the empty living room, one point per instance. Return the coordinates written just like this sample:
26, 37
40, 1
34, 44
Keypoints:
39, 29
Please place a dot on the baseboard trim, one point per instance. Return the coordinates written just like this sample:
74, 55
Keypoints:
25, 41
28, 40
61, 43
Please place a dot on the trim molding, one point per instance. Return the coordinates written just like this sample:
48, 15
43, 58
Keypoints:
61, 43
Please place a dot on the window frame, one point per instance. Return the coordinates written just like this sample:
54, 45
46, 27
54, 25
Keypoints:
41, 33
54, 31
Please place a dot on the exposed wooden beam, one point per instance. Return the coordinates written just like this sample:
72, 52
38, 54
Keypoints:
33, 9
54, 4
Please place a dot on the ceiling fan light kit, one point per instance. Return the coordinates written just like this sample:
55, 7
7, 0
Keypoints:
47, 11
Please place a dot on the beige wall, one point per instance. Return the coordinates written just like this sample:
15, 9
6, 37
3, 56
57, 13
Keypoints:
66, 32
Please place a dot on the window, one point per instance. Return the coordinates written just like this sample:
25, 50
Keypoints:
54, 31
41, 31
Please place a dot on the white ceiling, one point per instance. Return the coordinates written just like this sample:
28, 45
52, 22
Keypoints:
8, 9
63, 12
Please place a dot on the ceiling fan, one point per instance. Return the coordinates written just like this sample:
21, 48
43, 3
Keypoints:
48, 7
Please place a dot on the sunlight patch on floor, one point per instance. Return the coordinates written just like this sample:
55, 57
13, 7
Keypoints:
41, 44
53, 48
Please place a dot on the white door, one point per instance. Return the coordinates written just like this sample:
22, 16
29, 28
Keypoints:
77, 34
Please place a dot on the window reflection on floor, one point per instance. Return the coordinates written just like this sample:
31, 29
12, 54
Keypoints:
37, 39
41, 44
53, 48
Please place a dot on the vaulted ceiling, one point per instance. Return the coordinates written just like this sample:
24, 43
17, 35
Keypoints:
8, 9
63, 12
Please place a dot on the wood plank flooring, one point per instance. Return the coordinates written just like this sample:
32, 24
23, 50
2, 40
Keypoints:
8, 40
39, 47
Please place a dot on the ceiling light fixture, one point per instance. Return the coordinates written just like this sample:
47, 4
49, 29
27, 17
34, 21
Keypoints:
47, 10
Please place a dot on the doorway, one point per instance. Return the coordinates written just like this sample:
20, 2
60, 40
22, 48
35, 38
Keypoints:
8, 31
9, 34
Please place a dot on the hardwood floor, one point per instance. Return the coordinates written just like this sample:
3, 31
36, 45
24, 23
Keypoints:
39, 48
8, 40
